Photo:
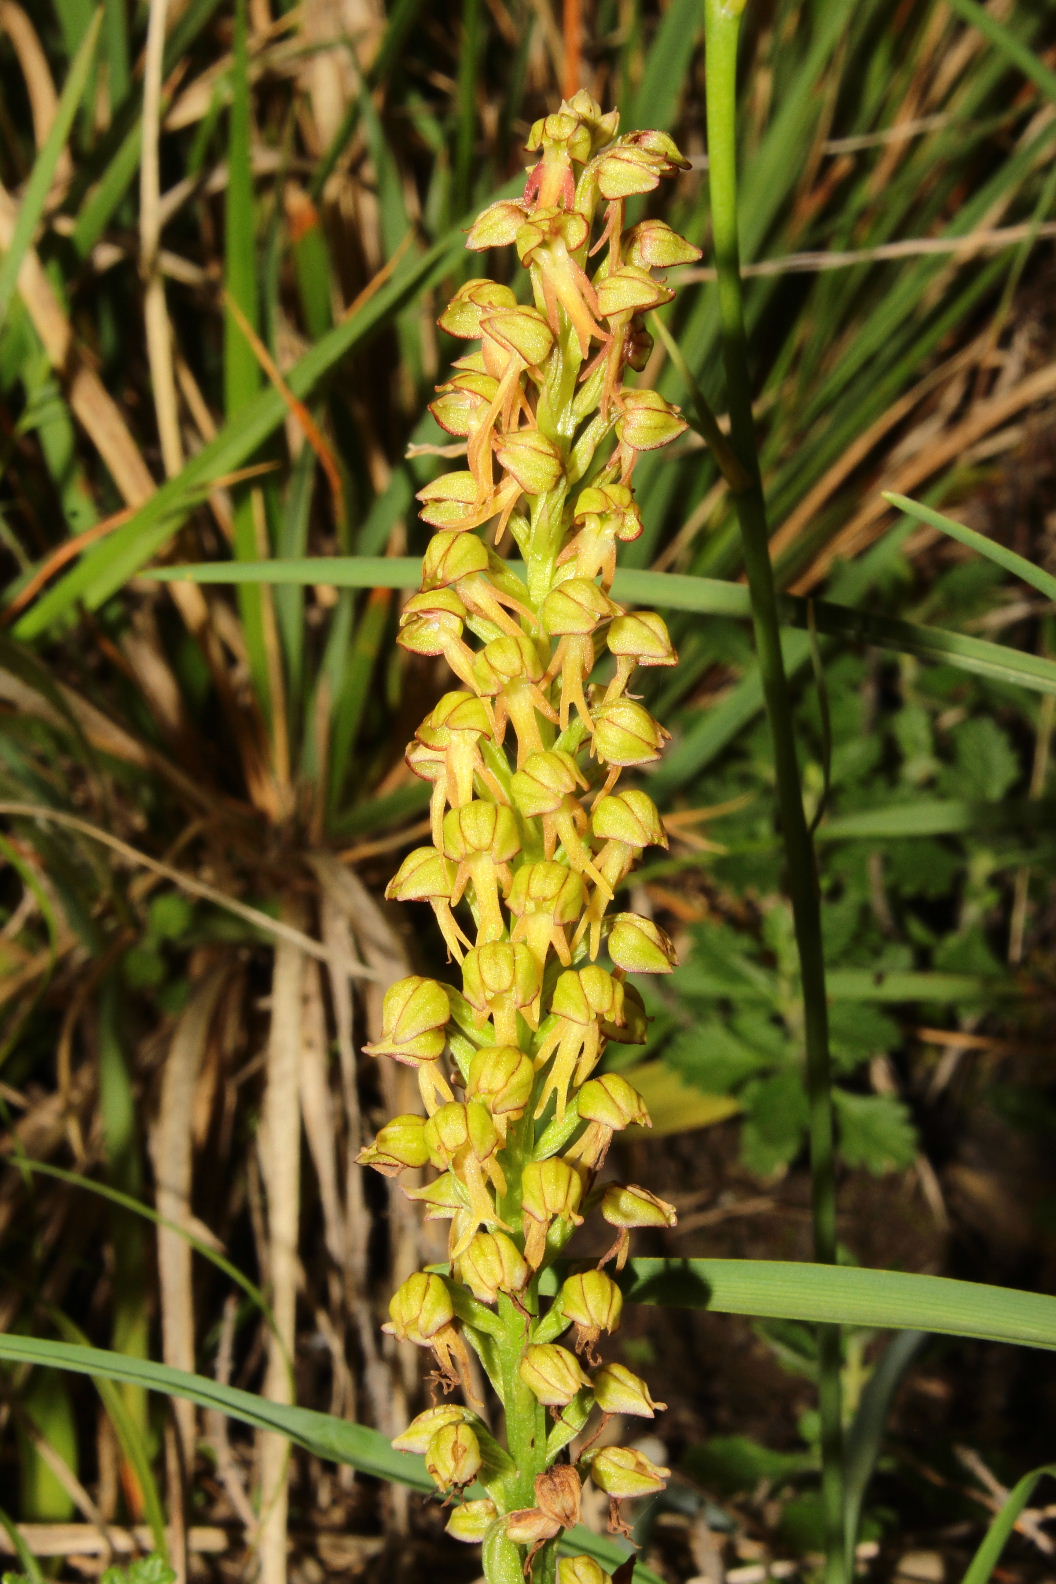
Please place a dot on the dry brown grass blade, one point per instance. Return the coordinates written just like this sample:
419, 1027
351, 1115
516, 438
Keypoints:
280, 1139
155, 311
336, 931
85, 1540
318, 1112
95, 410
311, 430
985, 418
263, 921
172, 1154
16, 26
800, 518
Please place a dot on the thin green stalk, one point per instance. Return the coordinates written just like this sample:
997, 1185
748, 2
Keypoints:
722, 27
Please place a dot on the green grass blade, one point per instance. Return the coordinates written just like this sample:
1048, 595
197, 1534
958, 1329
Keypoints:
865, 1435
43, 174
674, 591
842, 1295
667, 65
1015, 49
320, 1433
940, 817
242, 375
1018, 565
130, 1436
26, 1560
119, 73
983, 1564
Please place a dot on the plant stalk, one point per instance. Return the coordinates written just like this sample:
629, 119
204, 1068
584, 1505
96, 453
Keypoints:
722, 27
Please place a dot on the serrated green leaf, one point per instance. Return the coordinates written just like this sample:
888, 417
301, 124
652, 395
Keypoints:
922, 868
142, 1570
712, 1056
776, 1116
858, 1031
985, 763
875, 1131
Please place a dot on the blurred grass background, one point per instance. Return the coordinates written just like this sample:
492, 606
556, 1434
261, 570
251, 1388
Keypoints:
226, 233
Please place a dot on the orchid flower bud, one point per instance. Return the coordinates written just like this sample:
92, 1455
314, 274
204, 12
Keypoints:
551, 1190
581, 1570
503, 1078
624, 1472
630, 290
450, 501
646, 421
472, 300
496, 227
654, 244
426, 875
544, 898
626, 734
472, 1520
400, 1144
531, 459
638, 945
463, 402
422, 1429
419, 1309
492, 1264
552, 1374
576, 606
453, 1456
619, 1391
593, 1303
522, 331
414, 1019
626, 1206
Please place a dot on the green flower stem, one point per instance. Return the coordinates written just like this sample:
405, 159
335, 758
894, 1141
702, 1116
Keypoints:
722, 27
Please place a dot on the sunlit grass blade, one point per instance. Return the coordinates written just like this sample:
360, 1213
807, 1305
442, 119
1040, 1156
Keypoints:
242, 378
1018, 565
673, 591
39, 184
843, 1295
320, 1433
